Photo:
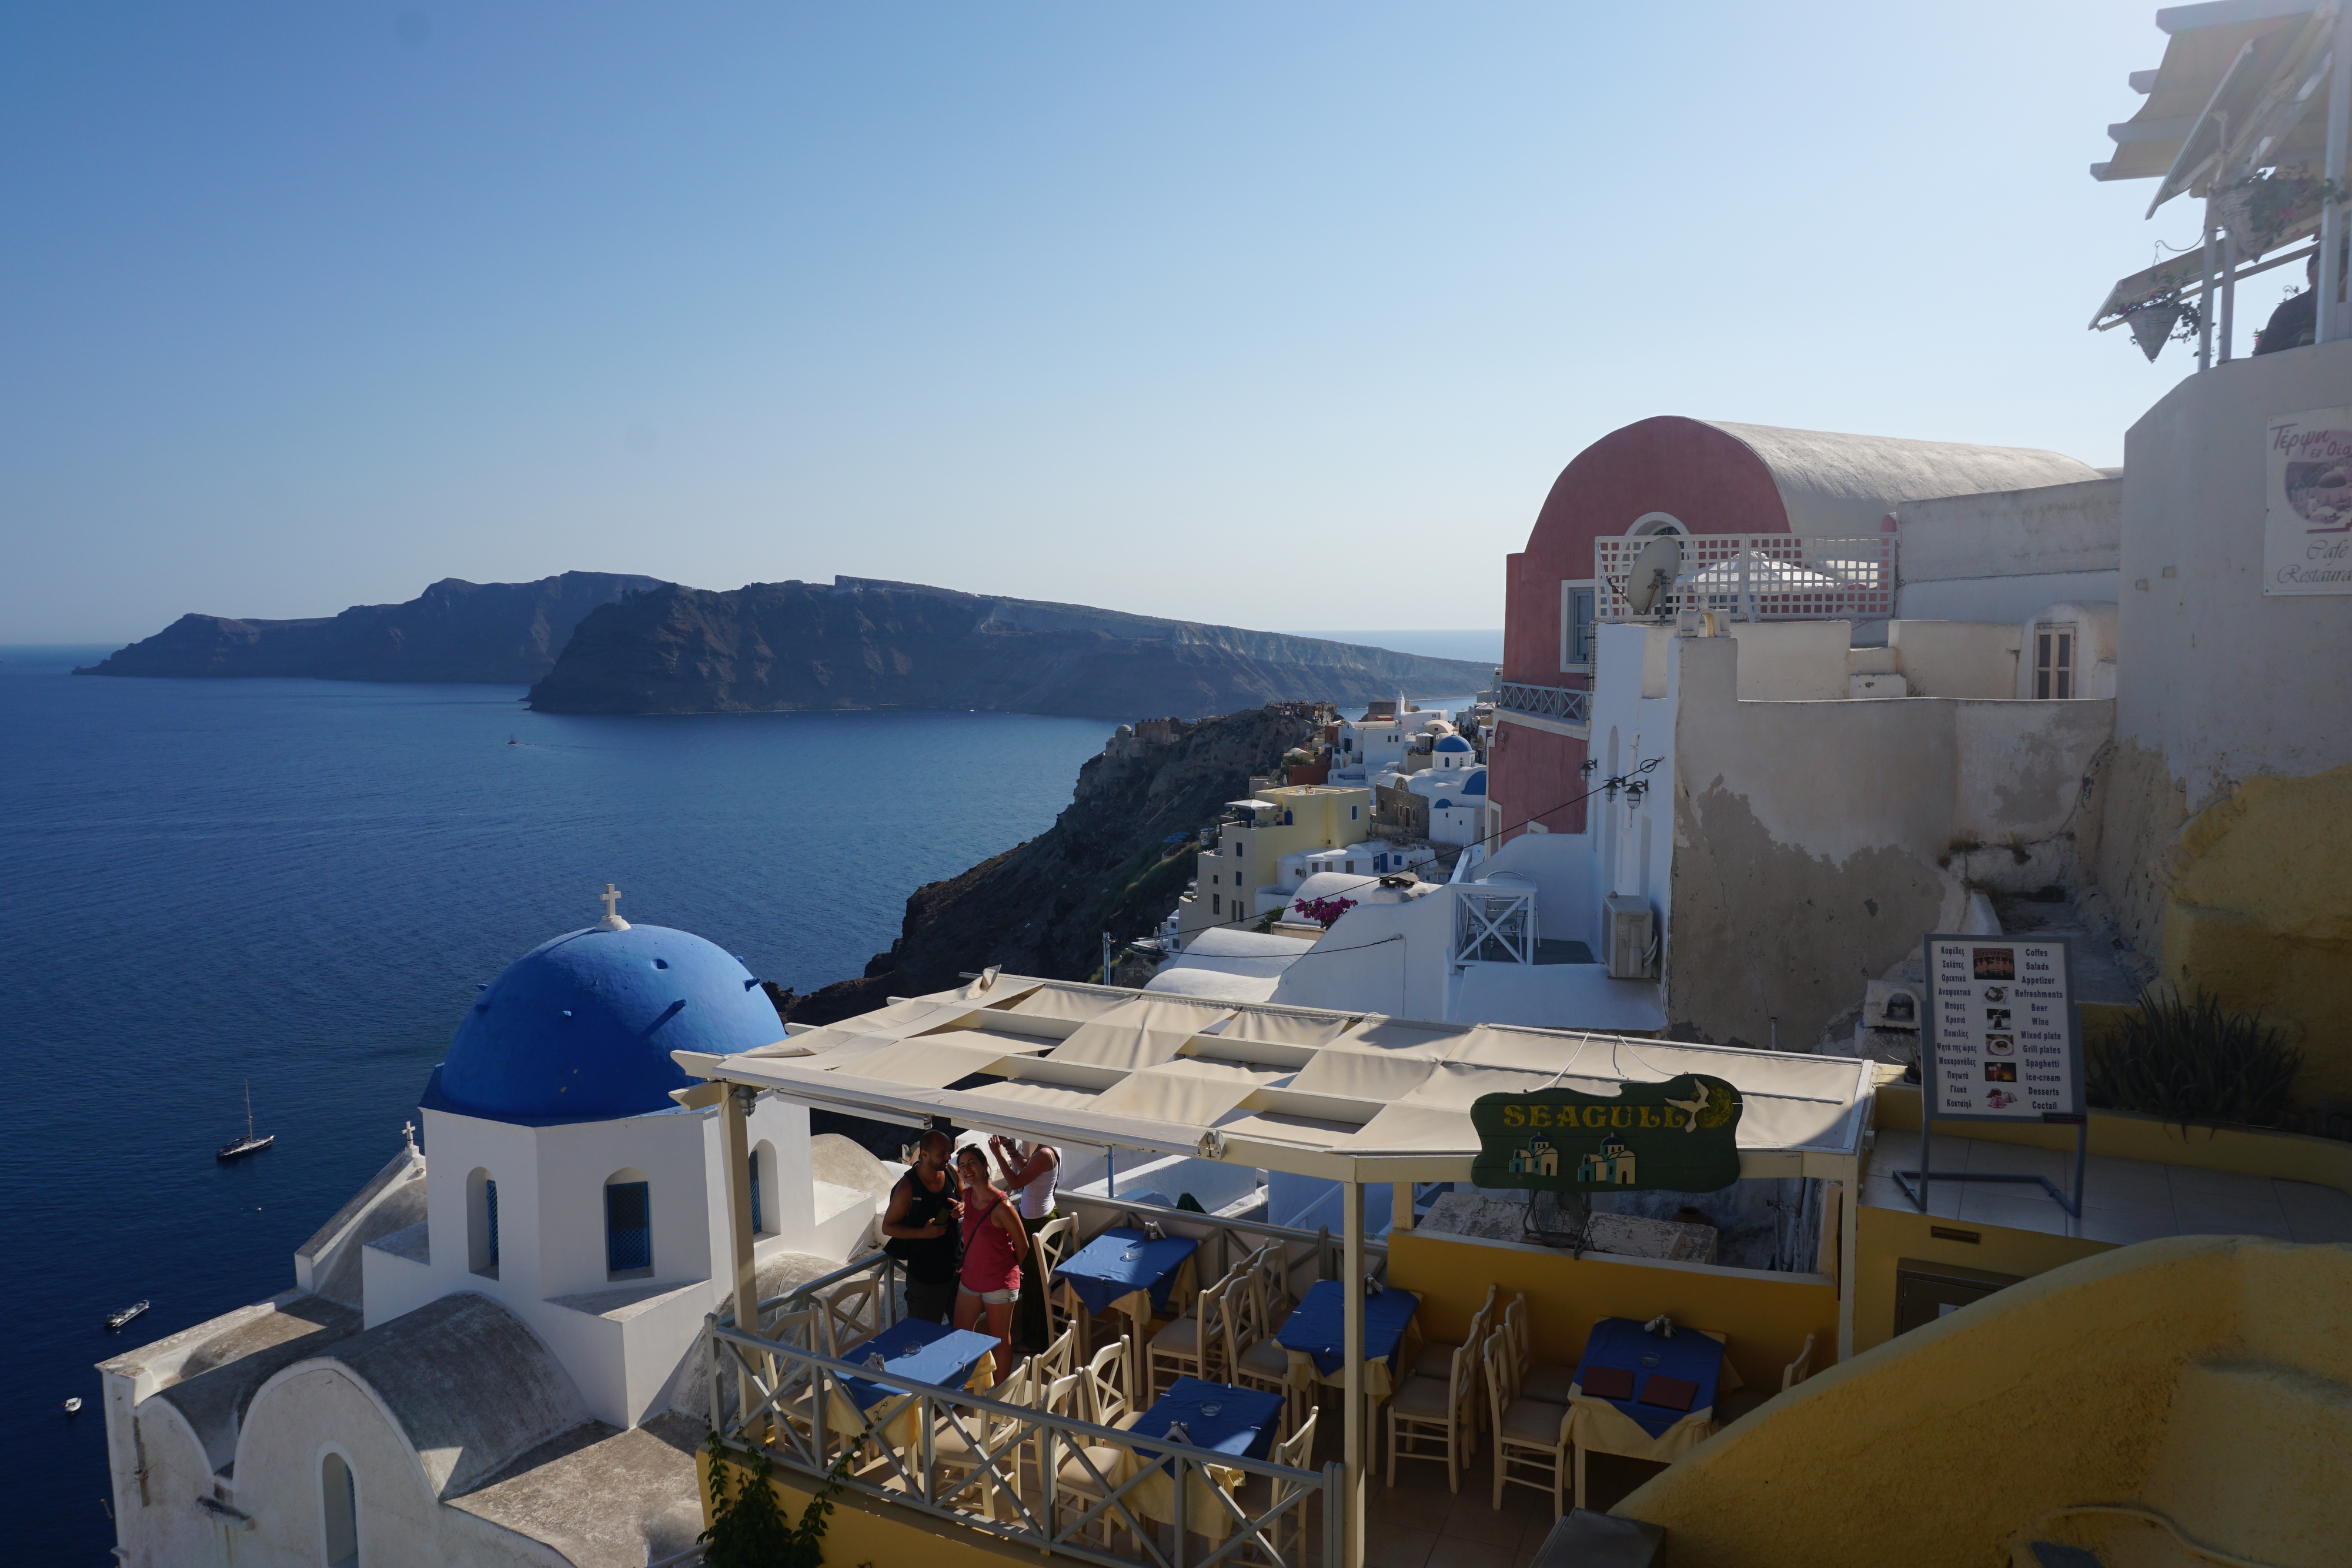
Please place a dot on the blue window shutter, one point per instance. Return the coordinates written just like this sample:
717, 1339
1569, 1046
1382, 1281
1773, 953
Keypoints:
628, 1227
756, 1226
490, 1212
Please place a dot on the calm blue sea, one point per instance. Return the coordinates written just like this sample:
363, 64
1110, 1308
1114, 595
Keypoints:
298, 884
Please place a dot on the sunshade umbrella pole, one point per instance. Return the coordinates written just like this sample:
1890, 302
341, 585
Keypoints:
1351, 1362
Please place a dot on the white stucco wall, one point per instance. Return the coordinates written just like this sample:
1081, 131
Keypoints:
1958, 658
1792, 659
294, 1420
1815, 841
2221, 681
2074, 527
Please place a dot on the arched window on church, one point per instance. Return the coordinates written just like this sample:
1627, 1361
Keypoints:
482, 1223
628, 1225
339, 1501
763, 1183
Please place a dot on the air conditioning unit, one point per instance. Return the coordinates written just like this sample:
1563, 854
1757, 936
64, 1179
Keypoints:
1632, 931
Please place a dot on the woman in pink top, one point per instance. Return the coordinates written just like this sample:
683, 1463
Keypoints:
994, 1241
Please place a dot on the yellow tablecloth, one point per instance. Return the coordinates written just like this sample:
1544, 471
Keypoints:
1154, 1497
899, 1429
1596, 1424
1379, 1382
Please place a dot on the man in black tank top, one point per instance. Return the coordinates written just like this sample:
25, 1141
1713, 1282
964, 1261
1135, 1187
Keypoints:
925, 1227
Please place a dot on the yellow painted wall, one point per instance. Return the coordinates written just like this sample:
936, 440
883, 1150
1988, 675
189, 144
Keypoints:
1765, 1317
862, 1531
1884, 1237
1319, 821
2260, 913
2128, 1135
1933, 1448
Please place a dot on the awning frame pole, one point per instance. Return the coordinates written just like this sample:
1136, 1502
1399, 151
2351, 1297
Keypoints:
2328, 320
735, 1143
1351, 1360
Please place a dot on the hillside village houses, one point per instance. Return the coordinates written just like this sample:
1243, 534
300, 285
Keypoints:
1775, 704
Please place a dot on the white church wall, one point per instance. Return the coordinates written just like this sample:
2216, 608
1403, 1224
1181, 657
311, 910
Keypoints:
392, 1282
169, 1529
295, 1418
573, 1164
455, 1147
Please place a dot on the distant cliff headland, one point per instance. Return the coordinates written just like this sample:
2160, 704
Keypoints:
1114, 862
858, 642
507, 633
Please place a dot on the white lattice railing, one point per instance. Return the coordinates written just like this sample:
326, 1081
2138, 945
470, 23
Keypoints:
1493, 927
1565, 703
1003, 1470
1756, 577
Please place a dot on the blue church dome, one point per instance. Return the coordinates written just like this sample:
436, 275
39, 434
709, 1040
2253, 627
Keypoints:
580, 1028
1451, 743
1477, 782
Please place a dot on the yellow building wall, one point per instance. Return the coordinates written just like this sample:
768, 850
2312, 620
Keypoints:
2128, 1135
1319, 821
2260, 915
1764, 1317
2189, 1375
862, 1531
1883, 1237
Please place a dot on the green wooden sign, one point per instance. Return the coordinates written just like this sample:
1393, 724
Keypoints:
1677, 1136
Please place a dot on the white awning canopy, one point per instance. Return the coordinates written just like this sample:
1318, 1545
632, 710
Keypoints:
1347, 1096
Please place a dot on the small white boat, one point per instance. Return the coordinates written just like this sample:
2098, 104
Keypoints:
73, 1406
250, 1143
116, 1319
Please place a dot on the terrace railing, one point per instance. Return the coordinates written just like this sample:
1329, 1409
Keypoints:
1755, 577
783, 1398
1566, 704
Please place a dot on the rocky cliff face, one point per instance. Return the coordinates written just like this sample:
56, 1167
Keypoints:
509, 632
783, 647
1041, 908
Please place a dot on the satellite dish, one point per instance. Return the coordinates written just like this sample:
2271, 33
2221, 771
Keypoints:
1650, 583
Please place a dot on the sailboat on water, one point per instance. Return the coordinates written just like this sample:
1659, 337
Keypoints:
236, 1148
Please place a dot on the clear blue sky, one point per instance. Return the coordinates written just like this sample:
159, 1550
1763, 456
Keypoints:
1280, 315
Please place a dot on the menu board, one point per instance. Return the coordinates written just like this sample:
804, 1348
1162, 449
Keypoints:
2001, 1039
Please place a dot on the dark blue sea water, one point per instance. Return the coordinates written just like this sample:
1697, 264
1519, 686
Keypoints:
299, 883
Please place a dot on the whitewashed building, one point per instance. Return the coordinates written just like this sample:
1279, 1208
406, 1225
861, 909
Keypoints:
487, 1356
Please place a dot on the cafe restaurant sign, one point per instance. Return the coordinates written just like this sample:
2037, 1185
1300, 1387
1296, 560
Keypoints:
1676, 1136
2307, 513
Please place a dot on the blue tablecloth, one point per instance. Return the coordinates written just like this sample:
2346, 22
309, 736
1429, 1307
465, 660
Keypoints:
1318, 1330
920, 1352
1690, 1355
1101, 1273
1244, 1424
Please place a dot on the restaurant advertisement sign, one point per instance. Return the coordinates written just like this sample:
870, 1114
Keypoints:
2001, 1039
2307, 520
1676, 1136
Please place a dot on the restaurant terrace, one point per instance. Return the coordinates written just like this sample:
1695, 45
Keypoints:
817, 1381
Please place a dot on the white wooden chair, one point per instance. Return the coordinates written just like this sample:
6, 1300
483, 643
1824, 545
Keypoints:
1260, 1494
853, 1310
1048, 1245
1530, 1434
1253, 1358
1549, 1384
1192, 1346
1060, 1358
1437, 1360
1731, 1407
1429, 1419
1102, 1399
954, 1453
